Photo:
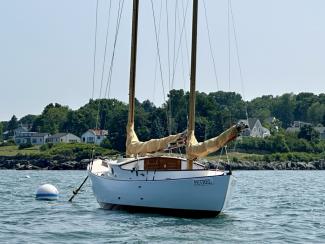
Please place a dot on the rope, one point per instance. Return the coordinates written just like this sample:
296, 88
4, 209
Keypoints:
95, 48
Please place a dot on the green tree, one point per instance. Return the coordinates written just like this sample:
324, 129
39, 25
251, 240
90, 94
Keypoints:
12, 124
309, 133
315, 113
283, 109
303, 101
28, 119
52, 119
1, 131
106, 144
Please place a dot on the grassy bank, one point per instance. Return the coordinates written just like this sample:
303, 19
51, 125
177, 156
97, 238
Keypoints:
271, 157
14, 151
76, 151
67, 151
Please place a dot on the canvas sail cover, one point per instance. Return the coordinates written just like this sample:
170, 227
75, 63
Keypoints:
136, 147
197, 149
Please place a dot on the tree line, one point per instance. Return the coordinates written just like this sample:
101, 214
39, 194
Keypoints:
215, 112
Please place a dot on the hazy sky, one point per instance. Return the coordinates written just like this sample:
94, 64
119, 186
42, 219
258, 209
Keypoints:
46, 50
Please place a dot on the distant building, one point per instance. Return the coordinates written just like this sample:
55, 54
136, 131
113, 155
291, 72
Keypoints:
255, 128
6, 135
63, 138
94, 136
297, 125
34, 138
321, 130
20, 129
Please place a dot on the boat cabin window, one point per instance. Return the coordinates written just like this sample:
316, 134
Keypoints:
160, 163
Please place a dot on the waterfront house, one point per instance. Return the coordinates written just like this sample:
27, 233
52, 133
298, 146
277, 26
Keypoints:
255, 128
63, 138
94, 136
21, 128
34, 138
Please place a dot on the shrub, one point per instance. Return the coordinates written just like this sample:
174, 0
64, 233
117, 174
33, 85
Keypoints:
25, 145
46, 146
106, 143
10, 142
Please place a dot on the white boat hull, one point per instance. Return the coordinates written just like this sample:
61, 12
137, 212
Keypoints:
207, 194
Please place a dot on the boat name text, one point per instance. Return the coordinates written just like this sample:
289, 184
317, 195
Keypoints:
203, 182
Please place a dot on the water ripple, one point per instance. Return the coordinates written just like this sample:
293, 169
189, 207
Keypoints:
267, 207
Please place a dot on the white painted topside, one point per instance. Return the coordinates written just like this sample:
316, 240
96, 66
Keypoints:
132, 169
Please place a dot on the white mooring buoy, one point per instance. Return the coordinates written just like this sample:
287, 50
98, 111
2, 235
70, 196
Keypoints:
47, 192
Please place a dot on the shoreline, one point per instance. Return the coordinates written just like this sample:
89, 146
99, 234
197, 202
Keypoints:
28, 163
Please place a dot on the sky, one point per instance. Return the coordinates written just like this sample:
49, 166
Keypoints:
47, 48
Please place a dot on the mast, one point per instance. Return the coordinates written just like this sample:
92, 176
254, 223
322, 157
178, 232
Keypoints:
133, 61
191, 123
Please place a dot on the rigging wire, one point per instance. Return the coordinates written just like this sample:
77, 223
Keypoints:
95, 50
168, 45
103, 66
186, 42
168, 105
171, 84
118, 21
180, 42
92, 154
229, 45
156, 59
105, 50
210, 46
182, 55
174, 44
238, 59
159, 58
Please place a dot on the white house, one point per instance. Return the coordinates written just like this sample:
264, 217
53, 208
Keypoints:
94, 136
255, 128
63, 138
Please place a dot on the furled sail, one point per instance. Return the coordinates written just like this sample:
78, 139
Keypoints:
200, 149
136, 147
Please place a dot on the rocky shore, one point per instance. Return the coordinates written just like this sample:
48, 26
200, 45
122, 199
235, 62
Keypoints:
27, 163
263, 165
42, 164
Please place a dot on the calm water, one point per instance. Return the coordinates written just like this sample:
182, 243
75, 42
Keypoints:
266, 207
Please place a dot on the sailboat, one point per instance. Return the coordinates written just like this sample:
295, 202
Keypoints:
144, 180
